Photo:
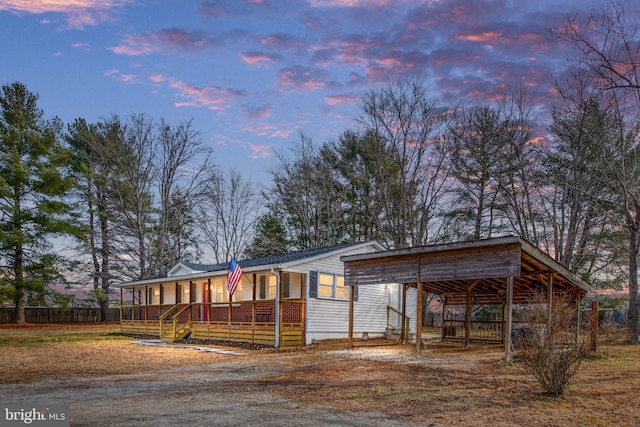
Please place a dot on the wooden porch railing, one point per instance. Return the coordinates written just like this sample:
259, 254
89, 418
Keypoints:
480, 330
246, 321
394, 312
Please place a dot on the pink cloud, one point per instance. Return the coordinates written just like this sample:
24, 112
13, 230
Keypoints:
259, 57
303, 77
260, 151
149, 42
212, 97
79, 13
157, 78
345, 98
81, 45
348, 3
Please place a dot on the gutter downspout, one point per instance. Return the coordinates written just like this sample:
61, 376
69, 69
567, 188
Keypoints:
277, 331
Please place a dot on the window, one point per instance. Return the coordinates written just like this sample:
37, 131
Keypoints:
286, 285
263, 288
342, 291
267, 289
327, 285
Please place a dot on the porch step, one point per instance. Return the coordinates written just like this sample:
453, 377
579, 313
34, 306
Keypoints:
182, 333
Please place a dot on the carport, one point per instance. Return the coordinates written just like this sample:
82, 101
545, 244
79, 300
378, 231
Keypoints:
499, 271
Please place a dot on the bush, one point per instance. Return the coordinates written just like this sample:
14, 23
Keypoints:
548, 346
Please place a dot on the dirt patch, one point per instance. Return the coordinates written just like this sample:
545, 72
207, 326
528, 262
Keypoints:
109, 381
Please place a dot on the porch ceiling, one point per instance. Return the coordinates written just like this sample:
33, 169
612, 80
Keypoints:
480, 268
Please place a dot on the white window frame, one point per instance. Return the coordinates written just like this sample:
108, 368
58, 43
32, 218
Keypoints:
334, 278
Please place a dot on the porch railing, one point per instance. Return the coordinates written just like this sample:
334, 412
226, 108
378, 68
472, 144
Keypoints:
253, 321
394, 317
479, 330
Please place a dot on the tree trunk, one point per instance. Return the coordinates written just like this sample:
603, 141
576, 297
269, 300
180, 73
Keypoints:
633, 282
20, 297
105, 273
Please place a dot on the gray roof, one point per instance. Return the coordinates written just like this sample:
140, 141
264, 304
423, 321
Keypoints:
271, 259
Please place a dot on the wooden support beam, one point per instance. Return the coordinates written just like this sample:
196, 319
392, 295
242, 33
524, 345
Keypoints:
467, 319
593, 343
404, 333
419, 319
550, 308
351, 307
444, 316
509, 317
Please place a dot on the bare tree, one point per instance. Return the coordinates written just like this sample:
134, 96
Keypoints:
412, 175
131, 192
518, 174
305, 193
607, 44
477, 135
182, 163
229, 209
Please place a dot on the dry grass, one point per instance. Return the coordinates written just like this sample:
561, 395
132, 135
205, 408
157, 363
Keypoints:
444, 386
42, 352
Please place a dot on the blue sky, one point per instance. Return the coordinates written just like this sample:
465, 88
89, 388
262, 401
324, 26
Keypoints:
253, 73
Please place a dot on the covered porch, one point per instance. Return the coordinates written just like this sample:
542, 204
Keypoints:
499, 272
247, 321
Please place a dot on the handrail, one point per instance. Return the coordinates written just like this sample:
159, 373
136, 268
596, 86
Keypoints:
395, 328
175, 320
163, 316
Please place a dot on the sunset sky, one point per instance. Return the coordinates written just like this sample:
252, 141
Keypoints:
253, 74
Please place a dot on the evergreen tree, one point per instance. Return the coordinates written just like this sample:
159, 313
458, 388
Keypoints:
32, 186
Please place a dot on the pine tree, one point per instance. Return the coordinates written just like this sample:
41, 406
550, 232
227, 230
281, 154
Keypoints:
32, 186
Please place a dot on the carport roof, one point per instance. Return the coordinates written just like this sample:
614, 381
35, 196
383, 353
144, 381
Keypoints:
480, 267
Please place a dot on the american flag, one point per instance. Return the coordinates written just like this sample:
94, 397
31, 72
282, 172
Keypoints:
233, 276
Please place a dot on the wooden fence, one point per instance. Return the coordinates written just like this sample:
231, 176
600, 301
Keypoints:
57, 315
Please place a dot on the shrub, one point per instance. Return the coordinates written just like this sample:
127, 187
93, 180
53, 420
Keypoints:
548, 345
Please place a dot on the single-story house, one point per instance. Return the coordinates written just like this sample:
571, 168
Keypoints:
283, 300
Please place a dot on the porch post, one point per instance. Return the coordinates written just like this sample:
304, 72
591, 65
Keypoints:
467, 319
278, 293
351, 308
146, 303
550, 308
507, 339
122, 302
403, 328
593, 344
444, 313
419, 319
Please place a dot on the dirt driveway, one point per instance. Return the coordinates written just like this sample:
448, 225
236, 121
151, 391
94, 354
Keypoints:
109, 381
259, 390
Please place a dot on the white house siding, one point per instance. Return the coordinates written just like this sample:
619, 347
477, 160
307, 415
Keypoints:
412, 301
329, 318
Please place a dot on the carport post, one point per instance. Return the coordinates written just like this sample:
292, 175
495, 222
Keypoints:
419, 319
404, 333
550, 308
351, 296
507, 339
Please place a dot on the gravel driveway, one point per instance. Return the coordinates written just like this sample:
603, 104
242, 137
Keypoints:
237, 391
